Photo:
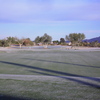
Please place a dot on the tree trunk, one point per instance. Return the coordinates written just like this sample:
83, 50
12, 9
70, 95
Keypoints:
20, 46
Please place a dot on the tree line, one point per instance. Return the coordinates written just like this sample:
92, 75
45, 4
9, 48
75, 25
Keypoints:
9, 41
75, 39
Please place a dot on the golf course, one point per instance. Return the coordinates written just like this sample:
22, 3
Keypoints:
49, 74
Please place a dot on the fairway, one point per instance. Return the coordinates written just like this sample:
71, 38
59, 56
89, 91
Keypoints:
49, 74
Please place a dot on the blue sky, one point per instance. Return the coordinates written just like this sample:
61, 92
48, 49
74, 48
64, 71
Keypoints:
58, 18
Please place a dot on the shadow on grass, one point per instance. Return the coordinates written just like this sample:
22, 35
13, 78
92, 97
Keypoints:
62, 63
7, 97
59, 74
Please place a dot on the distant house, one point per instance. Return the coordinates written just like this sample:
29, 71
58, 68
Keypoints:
68, 42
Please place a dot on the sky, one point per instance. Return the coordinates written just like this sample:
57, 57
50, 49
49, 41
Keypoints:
57, 18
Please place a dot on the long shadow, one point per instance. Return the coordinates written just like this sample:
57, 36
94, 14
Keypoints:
60, 73
62, 63
70, 78
7, 97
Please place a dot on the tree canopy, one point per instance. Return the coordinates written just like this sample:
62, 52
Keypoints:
45, 39
75, 38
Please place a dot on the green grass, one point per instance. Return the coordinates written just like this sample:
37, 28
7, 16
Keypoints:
73, 62
48, 90
50, 62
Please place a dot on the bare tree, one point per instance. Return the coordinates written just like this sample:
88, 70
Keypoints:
20, 41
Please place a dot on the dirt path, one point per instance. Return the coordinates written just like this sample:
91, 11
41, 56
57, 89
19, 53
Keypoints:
94, 82
47, 78
29, 77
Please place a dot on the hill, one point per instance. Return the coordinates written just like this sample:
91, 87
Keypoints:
92, 40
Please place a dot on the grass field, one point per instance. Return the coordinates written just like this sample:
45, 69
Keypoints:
48, 74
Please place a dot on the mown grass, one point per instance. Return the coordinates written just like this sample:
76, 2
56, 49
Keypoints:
78, 63
48, 90
84, 64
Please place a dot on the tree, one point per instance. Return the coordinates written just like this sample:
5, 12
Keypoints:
10, 40
75, 38
3, 43
62, 40
20, 41
27, 42
37, 40
45, 39
56, 42
94, 44
81, 37
0, 42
